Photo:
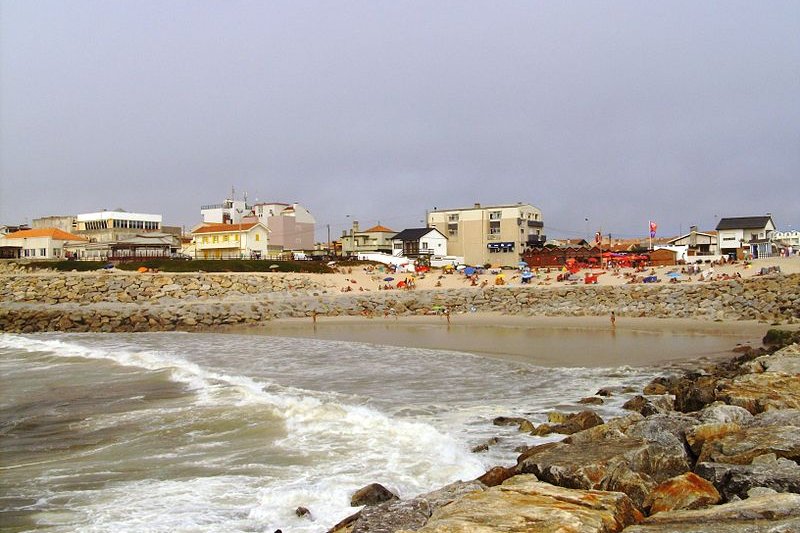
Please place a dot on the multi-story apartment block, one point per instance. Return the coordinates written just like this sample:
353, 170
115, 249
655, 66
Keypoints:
291, 226
496, 234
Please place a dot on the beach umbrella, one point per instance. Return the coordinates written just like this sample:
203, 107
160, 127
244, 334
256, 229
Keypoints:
389, 278
522, 264
469, 271
673, 274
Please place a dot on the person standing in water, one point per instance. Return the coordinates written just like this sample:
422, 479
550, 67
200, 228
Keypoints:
613, 319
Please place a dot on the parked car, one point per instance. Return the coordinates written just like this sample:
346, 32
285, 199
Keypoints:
180, 257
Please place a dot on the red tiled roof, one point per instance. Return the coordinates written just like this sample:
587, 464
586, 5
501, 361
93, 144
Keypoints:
225, 228
379, 229
53, 233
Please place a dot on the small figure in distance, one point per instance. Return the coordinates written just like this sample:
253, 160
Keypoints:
613, 319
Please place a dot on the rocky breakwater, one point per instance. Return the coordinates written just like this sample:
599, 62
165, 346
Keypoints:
109, 301
726, 463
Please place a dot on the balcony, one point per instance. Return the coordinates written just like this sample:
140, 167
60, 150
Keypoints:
535, 224
536, 240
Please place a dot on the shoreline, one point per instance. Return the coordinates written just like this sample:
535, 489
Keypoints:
544, 341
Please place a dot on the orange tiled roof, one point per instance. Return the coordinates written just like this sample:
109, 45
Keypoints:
225, 228
379, 229
53, 233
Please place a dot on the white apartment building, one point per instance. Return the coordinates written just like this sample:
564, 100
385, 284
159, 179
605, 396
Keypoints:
108, 226
494, 234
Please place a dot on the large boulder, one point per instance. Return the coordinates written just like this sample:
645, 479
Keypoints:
651, 405
722, 413
743, 446
762, 392
412, 514
778, 513
687, 491
630, 465
523, 504
785, 360
372, 494
569, 424
776, 473
697, 436
613, 429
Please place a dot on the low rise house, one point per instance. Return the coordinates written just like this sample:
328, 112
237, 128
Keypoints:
698, 243
377, 239
419, 242
40, 243
739, 235
248, 240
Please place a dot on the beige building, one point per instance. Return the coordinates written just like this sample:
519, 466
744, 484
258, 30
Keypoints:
246, 240
375, 239
496, 234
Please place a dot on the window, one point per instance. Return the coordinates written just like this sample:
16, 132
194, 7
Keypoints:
27, 253
205, 240
225, 238
424, 245
236, 237
56, 252
43, 252
495, 215
494, 228
215, 238
452, 218
258, 237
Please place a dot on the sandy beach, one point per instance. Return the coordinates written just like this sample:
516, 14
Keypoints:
545, 341
360, 278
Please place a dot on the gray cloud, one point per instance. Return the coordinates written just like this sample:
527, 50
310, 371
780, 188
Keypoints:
619, 112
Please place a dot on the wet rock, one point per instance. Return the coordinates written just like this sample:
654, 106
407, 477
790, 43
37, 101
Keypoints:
604, 392
411, 514
302, 512
591, 400
778, 513
372, 494
522, 503
650, 406
496, 476
570, 424
612, 429
524, 424
687, 491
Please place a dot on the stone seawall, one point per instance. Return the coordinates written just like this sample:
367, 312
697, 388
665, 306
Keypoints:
197, 301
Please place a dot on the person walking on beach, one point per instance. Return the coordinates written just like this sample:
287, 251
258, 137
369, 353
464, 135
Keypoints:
613, 320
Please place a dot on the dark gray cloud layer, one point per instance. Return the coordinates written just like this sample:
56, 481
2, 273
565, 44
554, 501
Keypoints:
618, 112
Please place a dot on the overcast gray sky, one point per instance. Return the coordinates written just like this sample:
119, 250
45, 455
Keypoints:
615, 111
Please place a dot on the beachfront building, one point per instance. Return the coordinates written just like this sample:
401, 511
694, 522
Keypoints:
737, 236
111, 226
39, 243
496, 234
377, 239
697, 242
291, 226
246, 240
419, 242
790, 238
65, 223
231, 211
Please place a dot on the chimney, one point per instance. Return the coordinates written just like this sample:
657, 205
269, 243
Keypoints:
355, 226
477, 205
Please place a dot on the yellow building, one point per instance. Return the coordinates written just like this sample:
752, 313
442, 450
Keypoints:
248, 240
496, 234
